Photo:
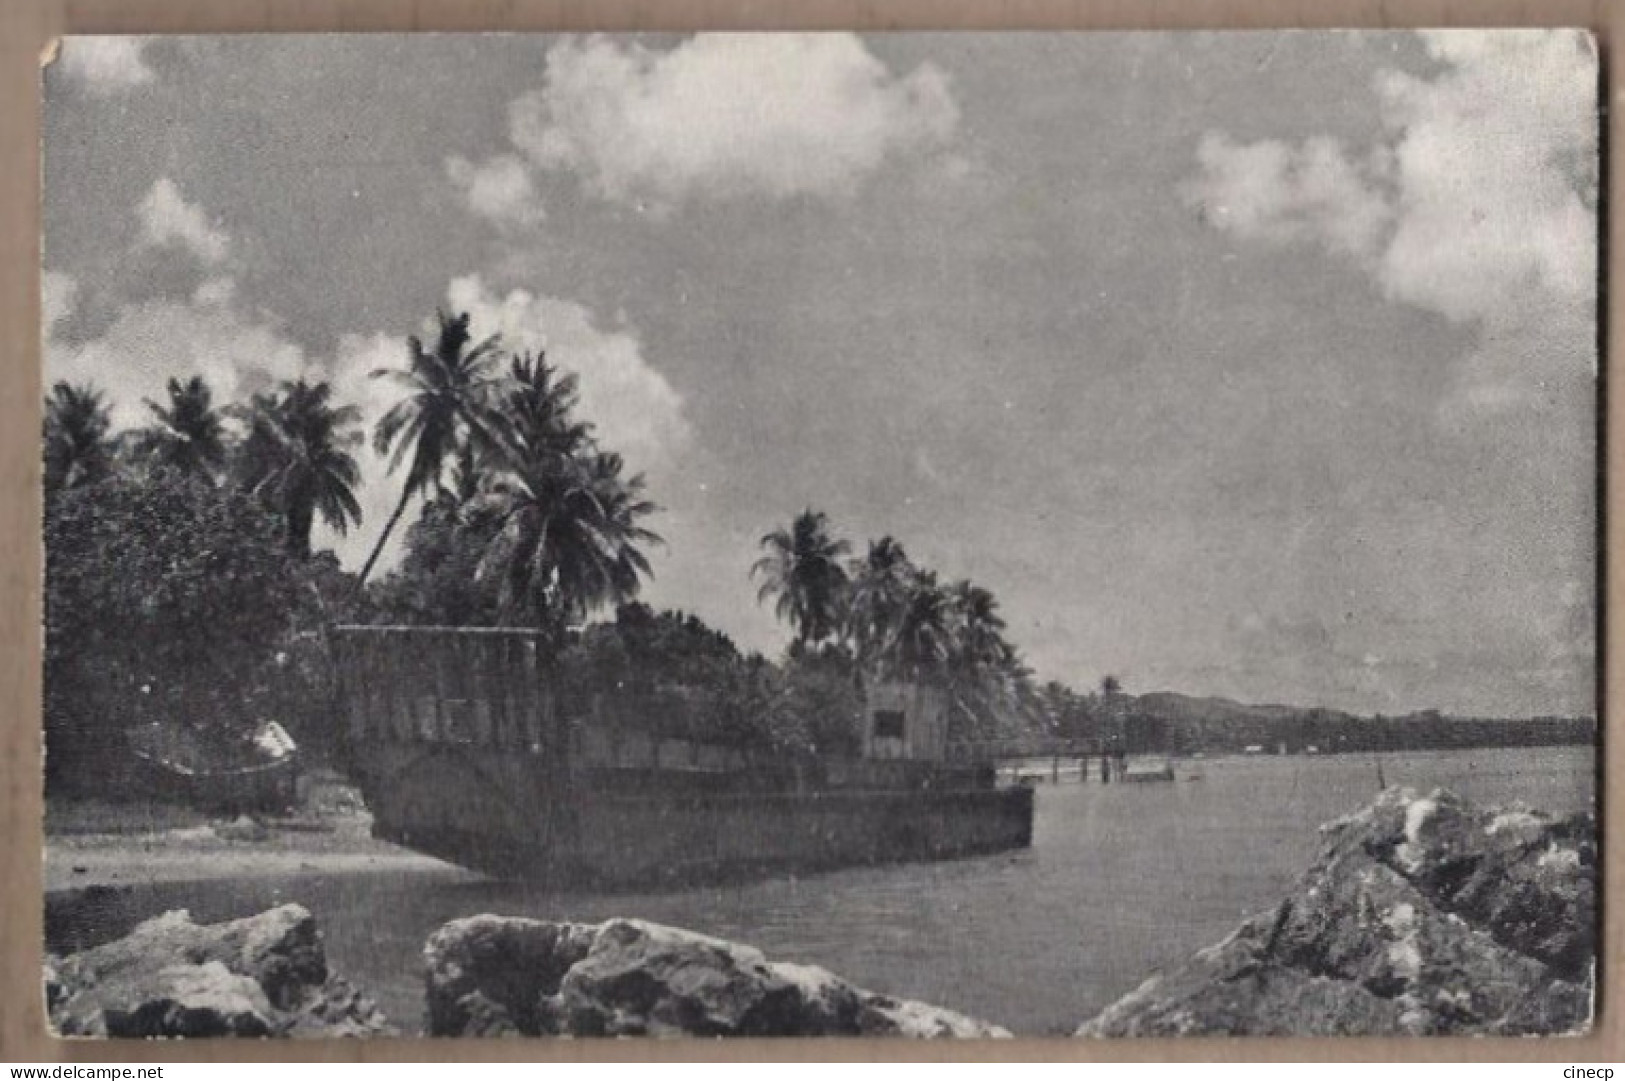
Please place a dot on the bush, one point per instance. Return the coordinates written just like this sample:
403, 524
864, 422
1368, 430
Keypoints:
818, 711
169, 599
437, 582
670, 674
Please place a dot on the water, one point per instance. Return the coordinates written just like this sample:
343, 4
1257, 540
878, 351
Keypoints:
1120, 880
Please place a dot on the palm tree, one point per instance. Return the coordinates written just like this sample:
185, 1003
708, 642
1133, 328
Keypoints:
985, 673
924, 639
880, 585
980, 645
188, 433
567, 522
536, 421
297, 458
802, 569
77, 448
447, 404
466, 472
1059, 705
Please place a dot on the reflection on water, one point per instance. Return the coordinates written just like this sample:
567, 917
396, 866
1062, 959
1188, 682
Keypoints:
1120, 880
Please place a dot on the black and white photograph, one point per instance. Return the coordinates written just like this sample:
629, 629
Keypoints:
952, 534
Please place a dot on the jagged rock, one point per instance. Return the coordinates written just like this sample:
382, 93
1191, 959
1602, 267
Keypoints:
481, 1016
1527, 879
493, 975
881, 1015
1421, 915
176, 1000
487, 975
55, 993
336, 1008
263, 975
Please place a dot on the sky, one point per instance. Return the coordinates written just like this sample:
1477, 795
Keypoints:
1258, 365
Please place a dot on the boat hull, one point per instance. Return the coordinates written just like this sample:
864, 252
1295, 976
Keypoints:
176, 765
615, 828
466, 750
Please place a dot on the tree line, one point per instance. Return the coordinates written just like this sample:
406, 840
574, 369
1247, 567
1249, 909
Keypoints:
180, 580
560, 523
882, 616
182, 585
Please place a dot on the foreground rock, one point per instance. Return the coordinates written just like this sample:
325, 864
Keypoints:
261, 976
497, 976
1422, 915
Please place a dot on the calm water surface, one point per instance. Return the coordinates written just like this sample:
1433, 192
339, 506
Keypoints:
1120, 879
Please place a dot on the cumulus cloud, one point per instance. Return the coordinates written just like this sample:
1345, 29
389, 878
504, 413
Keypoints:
1496, 169
728, 114
209, 332
1280, 193
168, 220
149, 342
106, 65
500, 189
1480, 205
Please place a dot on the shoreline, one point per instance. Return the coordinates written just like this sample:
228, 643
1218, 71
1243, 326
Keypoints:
92, 845
73, 869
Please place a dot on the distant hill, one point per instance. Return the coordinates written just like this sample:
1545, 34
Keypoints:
1178, 722
1174, 705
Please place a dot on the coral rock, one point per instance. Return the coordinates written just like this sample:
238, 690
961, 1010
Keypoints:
260, 976
1422, 915
494, 975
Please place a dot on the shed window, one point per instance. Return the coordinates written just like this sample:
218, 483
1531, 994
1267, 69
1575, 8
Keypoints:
888, 724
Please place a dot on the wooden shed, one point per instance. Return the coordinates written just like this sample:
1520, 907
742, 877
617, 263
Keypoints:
906, 721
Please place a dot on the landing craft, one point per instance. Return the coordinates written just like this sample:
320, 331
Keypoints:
463, 752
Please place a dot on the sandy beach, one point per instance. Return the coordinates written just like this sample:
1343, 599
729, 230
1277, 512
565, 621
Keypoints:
156, 858
90, 843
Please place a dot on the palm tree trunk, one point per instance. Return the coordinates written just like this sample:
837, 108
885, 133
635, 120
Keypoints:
300, 519
389, 526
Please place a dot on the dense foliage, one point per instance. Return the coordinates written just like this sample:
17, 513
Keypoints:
182, 586
181, 583
883, 617
78, 449
568, 533
538, 527
169, 598
669, 670
437, 581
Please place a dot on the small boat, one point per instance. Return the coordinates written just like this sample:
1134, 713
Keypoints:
1149, 773
256, 774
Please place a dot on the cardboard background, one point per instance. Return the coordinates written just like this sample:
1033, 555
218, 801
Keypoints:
26, 29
